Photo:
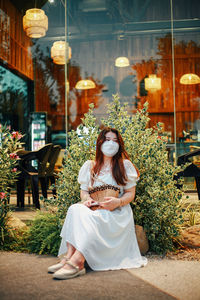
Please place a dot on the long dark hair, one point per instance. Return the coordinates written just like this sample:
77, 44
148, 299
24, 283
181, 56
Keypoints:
118, 170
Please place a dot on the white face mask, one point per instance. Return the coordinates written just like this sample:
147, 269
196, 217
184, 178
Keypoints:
109, 148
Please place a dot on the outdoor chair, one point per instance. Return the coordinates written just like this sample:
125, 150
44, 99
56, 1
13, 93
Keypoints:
32, 172
193, 170
49, 174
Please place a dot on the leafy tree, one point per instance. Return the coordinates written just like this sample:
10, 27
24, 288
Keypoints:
156, 205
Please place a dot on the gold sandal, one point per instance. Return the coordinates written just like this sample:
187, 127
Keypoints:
67, 274
58, 266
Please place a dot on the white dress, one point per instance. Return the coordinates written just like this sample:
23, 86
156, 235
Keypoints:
106, 238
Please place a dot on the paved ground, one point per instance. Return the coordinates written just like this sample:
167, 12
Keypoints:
24, 276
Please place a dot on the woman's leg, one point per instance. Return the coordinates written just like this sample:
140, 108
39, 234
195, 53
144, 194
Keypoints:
77, 259
70, 252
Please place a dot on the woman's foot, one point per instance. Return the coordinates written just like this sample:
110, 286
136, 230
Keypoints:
69, 270
58, 266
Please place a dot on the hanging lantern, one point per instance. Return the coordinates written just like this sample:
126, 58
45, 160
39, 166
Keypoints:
35, 23
152, 83
190, 79
122, 62
85, 84
58, 52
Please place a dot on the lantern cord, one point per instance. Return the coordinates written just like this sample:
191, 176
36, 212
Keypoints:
173, 77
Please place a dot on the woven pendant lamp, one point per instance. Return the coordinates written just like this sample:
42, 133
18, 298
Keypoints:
85, 84
190, 78
122, 62
152, 83
58, 52
35, 23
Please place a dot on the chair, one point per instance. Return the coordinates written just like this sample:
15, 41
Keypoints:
192, 170
49, 174
28, 171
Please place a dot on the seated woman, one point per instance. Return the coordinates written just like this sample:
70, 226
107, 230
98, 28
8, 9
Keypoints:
102, 233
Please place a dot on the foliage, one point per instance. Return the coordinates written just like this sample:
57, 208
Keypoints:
15, 239
81, 148
156, 206
191, 214
43, 236
9, 144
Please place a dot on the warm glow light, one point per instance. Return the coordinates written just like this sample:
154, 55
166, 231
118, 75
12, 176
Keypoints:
152, 83
58, 52
122, 62
35, 23
67, 85
85, 84
190, 79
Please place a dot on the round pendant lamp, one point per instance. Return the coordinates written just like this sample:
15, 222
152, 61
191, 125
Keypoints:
122, 62
85, 84
152, 83
35, 23
189, 79
58, 52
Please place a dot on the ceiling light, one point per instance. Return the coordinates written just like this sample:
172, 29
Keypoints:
189, 79
152, 83
122, 62
85, 84
35, 23
58, 52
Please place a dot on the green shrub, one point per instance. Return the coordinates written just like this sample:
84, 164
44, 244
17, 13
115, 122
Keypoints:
16, 240
9, 144
43, 236
156, 206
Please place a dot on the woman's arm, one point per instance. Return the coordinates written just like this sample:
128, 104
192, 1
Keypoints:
85, 198
111, 203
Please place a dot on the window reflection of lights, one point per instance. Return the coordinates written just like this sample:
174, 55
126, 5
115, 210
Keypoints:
85, 84
122, 62
68, 86
152, 83
58, 52
189, 79
51, 1
35, 23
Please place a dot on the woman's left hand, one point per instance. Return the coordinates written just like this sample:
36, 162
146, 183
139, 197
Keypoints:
110, 203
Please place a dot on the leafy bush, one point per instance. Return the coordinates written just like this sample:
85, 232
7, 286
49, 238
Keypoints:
43, 236
156, 205
9, 144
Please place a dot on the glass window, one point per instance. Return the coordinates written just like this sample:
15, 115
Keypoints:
159, 43
14, 104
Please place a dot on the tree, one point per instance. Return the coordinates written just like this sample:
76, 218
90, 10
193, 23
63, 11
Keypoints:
156, 205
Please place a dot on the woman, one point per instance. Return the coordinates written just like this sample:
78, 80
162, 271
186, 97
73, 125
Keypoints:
105, 237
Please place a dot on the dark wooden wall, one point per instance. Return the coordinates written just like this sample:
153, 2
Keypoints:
14, 44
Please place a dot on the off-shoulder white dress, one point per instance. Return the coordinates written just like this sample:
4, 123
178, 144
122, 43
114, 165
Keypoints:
106, 238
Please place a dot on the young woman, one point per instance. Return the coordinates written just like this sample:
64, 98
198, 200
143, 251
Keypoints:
104, 237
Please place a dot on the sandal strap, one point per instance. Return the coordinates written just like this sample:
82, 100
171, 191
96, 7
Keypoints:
65, 257
72, 265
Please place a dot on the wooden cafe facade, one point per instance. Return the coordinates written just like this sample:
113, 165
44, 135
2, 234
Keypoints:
142, 50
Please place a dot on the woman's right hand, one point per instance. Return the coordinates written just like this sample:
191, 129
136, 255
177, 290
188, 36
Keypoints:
88, 202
